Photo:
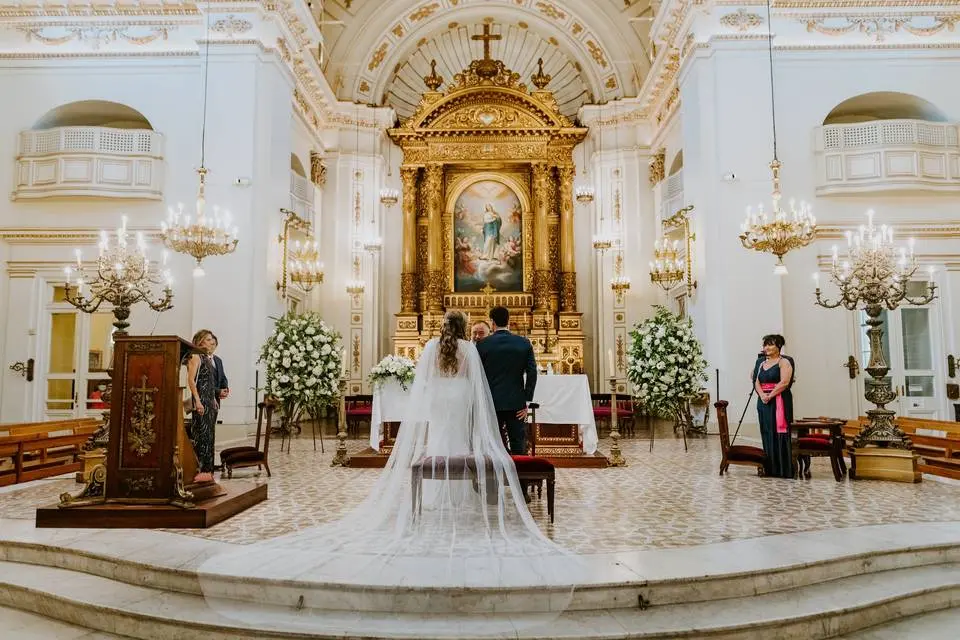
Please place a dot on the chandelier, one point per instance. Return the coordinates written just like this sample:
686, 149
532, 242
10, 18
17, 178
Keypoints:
389, 197
779, 232
584, 194
875, 275
356, 286
201, 236
122, 277
305, 266
667, 269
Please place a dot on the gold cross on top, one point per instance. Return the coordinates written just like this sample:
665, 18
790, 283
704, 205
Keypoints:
486, 37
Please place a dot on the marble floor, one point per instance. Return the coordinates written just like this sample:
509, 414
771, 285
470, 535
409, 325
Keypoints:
663, 499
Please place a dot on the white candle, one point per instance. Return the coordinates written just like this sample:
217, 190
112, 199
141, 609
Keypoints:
816, 279
610, 362
343, 359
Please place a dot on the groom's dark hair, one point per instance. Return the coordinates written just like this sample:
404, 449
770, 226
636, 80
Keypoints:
500, 317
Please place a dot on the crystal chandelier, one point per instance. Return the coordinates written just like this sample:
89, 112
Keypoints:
667, 269
305, 266
201, 236
780, 232
620, 283
873, 277
122, 277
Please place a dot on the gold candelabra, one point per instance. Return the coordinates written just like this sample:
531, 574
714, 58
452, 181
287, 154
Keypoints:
616, 456
875, 276
341, 459
122, 277
779, 232
201, 236
668, 269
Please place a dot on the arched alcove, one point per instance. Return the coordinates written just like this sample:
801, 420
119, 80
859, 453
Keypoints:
297, 166
677, 163
93, 113
884, 105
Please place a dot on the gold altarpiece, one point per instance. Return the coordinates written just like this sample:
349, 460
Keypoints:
487, 127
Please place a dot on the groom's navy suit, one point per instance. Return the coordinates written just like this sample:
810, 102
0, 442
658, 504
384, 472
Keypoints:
507, 359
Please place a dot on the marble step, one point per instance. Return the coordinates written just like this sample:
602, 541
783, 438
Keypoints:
824, 610
621, 581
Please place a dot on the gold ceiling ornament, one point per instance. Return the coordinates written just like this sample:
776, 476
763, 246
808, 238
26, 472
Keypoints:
779, 232
202, 236
300, 263
668, 269
540, 79
434, 80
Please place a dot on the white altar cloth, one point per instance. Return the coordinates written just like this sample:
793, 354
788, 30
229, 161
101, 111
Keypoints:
565, 399
389, 403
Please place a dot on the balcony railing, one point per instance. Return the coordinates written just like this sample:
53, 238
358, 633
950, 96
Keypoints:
301, 196
887, 155
672, 200
89, 161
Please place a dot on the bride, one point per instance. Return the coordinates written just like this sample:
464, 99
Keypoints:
448, 509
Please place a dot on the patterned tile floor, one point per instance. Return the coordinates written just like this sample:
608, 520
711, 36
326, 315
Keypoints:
664, 498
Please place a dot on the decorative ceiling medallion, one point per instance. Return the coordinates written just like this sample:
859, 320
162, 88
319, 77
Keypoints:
378, 56
523, 25
551, 11
231, 26
597, 53
398, 30
741, 20
424, 12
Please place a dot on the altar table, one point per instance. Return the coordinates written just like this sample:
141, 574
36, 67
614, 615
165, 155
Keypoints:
563, 399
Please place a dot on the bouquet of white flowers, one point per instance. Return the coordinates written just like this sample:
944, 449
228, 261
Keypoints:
393, 368
665, 364
304, 363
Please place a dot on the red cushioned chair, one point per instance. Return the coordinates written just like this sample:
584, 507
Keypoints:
535, 471
602, 412
736, 454
359, 409
818, 437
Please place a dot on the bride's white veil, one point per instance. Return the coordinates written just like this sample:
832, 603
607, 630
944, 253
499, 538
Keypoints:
448, 510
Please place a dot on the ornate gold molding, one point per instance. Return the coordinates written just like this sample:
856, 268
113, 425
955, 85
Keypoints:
231, 26
658, 167
741, 20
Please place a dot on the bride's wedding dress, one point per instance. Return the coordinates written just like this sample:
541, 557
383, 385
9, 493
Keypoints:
471, 527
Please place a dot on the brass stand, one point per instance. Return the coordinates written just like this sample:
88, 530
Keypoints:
341, 459
616, 456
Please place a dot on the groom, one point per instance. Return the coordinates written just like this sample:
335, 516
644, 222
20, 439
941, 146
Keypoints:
506, 358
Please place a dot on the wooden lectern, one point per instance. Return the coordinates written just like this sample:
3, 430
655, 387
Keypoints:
150, 460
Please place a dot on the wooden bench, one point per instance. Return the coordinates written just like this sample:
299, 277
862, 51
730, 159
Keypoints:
937, 442
30, 451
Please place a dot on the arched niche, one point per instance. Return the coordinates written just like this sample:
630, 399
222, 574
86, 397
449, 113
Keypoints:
93, 113
884, 105
677, 163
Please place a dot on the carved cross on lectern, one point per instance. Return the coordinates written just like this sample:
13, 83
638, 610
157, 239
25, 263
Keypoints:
487, 37
142, 434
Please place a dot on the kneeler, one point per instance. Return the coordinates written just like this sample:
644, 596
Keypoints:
532, 470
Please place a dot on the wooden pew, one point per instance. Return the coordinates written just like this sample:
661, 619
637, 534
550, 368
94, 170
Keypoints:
939, 453
29, 451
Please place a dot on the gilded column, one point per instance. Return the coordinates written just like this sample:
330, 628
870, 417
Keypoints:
433, 189
541, 245
568, 283
408, 275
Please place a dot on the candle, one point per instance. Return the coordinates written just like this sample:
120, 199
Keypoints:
79, 260
610, 362
816, 279
343, 359
836, 254
870, 218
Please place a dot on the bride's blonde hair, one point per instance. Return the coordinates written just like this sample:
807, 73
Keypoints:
454, 328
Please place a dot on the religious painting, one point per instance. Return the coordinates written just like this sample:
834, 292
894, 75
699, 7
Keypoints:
488, 238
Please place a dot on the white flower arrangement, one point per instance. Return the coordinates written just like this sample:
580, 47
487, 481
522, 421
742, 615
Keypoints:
665, 364
396, 368
304, 363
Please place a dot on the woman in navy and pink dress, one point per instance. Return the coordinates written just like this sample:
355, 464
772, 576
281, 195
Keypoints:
772, 379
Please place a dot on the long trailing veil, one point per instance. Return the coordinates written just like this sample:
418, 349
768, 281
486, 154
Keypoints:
426, 522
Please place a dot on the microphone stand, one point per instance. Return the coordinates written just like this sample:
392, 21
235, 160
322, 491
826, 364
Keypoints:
753, 389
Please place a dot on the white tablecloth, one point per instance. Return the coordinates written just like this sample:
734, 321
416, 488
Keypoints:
562, 400
566, 400
389, 402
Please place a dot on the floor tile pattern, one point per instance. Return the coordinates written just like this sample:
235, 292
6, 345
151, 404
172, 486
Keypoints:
665, 498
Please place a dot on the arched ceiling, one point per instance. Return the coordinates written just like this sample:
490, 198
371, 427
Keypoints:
377, 51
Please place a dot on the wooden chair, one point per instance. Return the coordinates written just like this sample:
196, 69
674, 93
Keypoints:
358, 409
602, 412
739, 453
247, 456
817, 437
535, 471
